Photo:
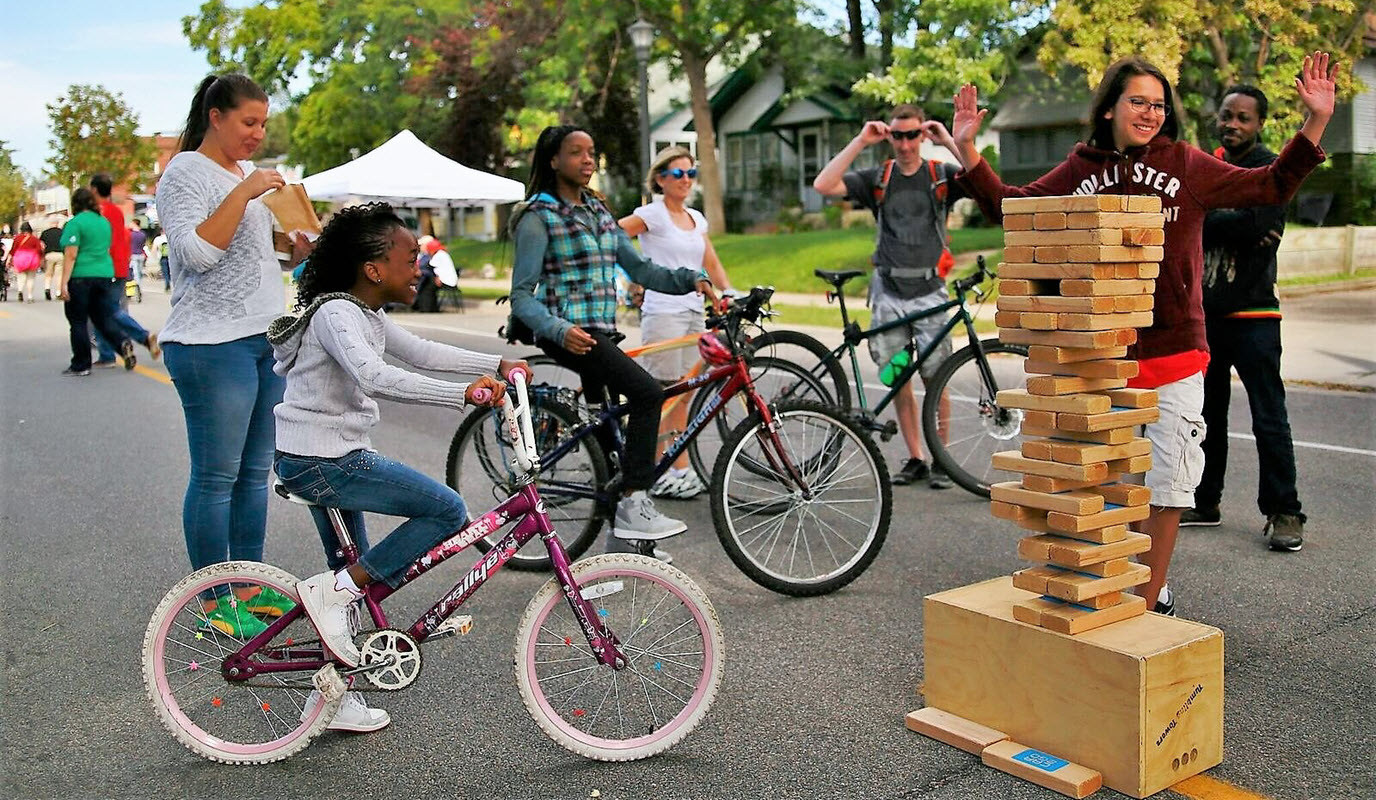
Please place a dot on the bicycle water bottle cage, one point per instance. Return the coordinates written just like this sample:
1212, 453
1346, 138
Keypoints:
837, 278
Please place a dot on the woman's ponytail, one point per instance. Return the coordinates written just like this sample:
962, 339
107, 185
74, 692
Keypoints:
220, 92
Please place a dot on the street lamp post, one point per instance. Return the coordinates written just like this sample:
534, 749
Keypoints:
642, 36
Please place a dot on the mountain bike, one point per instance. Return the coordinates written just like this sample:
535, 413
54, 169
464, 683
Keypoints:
618, 657
800, 496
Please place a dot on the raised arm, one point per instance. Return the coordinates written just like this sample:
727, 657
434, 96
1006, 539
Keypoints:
965, 125
1317, 90
831, 180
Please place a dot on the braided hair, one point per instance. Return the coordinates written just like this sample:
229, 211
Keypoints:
353, 237
543, 177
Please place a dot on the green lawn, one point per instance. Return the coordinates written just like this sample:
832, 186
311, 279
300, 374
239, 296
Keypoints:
784, 261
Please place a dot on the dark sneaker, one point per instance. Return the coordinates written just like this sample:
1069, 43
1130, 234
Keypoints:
75, 373
47, 294
1284, 532
640, 547
914, 469
1165, 602
1201, 518
105, 363
126, 353
939, 479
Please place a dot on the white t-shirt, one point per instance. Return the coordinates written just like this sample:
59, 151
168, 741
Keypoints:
668, 245
443, 265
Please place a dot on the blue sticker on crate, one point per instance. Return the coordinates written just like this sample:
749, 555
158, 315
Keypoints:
1042, 761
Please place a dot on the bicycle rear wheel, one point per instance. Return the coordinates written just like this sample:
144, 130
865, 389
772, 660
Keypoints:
804, 351
545, 369
674, 648
264, 719
807, 539
478, 467
976, 426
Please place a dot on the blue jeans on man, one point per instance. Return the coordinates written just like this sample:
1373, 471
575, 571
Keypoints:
88, 299
367, 481
120, 313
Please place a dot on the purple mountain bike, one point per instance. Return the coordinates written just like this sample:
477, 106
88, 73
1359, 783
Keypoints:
618, 657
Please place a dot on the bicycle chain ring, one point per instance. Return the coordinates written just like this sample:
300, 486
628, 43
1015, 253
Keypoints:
390, 659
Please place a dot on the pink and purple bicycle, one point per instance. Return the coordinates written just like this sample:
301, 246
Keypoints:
618, 657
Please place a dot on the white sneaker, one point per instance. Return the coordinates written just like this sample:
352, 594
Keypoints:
353, 716
680, 487
637, 518
328, 609
640, 547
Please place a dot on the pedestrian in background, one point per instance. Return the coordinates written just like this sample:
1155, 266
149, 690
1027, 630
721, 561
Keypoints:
138, 252
25, 258
88, 279
52, 256
1242, 318
103, 187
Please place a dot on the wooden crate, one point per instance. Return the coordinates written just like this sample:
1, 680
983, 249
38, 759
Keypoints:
1141, 700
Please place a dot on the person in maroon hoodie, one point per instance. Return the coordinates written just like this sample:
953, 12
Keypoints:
1132, 149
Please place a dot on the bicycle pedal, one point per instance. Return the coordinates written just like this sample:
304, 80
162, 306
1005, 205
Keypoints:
459, 625
329, 683
888, 431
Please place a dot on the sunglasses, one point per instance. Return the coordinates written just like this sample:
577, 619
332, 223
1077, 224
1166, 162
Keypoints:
677, 173
913, 134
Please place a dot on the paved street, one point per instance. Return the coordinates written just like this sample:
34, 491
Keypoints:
91, 481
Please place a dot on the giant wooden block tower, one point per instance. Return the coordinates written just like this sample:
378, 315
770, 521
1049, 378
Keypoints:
1059, 675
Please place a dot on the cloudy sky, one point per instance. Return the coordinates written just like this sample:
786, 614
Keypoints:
52, 45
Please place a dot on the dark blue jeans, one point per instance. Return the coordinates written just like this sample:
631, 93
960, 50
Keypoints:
228, 392
90, 299
105, 351
366, 481
1252, 347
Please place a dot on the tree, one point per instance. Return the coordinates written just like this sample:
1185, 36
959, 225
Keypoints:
94, 131
14, 188
1204, 46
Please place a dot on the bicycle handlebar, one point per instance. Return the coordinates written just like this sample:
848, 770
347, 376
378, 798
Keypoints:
981, 272
747, 307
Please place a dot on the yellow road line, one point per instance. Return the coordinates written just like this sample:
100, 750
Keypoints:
152, 373
1202, 787
5, 315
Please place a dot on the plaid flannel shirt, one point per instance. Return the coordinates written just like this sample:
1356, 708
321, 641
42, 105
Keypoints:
579, 274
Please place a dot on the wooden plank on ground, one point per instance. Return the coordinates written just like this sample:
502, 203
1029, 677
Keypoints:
1043, 769
971, 737
1078, 503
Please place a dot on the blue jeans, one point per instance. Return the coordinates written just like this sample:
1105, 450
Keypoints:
119, 312
89, 299
228, 392
366, 481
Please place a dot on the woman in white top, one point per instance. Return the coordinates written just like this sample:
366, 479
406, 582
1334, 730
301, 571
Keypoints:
227, 287
673, 235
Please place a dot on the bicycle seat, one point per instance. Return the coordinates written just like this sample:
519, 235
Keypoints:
286, 495
836, 278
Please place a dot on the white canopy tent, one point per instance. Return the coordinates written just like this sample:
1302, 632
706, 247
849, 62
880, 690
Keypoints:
404, 171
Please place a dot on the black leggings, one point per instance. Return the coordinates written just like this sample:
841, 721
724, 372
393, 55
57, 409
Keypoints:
607, 367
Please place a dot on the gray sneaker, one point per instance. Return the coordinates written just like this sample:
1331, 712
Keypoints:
1284, 532
640, 547
637, 518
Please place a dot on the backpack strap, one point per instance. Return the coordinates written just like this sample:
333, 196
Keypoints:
882, 187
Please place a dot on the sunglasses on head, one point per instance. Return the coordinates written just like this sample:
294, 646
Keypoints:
913, 134
677, 173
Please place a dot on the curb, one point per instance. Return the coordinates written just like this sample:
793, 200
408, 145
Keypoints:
1330, 287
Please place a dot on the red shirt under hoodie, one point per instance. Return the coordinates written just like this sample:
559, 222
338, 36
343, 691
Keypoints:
119, 238
1189, 182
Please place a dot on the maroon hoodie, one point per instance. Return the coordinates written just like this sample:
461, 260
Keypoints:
1189, 182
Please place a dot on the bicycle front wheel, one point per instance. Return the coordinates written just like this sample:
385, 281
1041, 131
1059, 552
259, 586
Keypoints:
962, 420
478, 467
671, 638
185, 650
818, 518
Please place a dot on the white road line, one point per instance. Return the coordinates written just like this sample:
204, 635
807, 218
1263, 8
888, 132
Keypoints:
1335, 448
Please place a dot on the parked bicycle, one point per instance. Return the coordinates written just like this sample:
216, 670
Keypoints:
963, 437
800, 496
618, 657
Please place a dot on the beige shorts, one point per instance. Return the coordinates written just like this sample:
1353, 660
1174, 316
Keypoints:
669, 365
885, 308
1177, 439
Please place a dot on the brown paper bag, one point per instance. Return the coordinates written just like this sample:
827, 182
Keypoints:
293, 209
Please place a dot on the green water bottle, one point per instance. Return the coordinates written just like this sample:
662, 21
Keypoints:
895, 367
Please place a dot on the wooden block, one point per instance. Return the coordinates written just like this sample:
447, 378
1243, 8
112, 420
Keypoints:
1022, 222
1131, 302
1072, 403
1009, 269
1140, 237
1066, 203
1111, 219
1123, 494
1053, 254
1103, 322
1029, 287
1144, 203
1043, 769
1080, 504
1109, 253
1110, 436
1084, 340
1049, 221
1030, 611
1079, 288
1114, 419
1083, 523
950, 729
1107, 368
1020, 253
1043, 483
1076, 588
1013, 461
1047, 238
1036, 548
1043, 419
1072, 619
1071, 355
1035, 579
1067, 384
1133, 398
1029, 320
1075, 554
1105, 535
1060, 305
1132, 466
1130, 271
1071, 452
1014, 512
1114, 566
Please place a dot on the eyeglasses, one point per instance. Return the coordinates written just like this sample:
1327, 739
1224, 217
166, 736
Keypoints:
1140, 105
677, 173
898, 135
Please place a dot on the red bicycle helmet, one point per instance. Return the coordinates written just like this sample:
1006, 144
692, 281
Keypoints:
713, 350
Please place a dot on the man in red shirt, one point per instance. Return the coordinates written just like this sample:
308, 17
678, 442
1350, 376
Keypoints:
102, 185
